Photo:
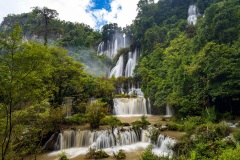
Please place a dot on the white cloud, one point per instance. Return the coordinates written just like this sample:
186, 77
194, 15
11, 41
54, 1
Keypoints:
122, 11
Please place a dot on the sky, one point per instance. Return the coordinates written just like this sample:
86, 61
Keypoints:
94, 13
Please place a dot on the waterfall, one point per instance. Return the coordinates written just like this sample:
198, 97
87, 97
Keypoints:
149, 106
124, 40
105, 139
109, 48
132, 61
76, 142
130, 106
115, 47
128, 137
193, 13
100, 48
168, 111
145, 136
117, 71
97, 139
164, 146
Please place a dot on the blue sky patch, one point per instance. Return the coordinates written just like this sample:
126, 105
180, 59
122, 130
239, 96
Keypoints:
100, 4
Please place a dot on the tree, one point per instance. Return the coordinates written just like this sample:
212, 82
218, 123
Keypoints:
23, 67
47, 15
113, 122
218, 77
66, 75
95, 112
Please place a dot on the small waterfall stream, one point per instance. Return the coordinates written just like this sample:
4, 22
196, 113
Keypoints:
168, 111
130, 106
131, 63
193, 14
117, 71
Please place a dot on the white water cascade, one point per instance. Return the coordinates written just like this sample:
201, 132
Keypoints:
132, 61
76, 142
96, 139
108, 48
164, 146
117, 71
193, 14
130, 106
124, 40
168, 111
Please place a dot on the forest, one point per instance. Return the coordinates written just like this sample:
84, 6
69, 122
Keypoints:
47, 65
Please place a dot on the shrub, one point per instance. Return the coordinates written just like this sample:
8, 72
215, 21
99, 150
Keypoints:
207, 141
207, 132
95, 113
94, 154
76, 119
231, 154
148, 155
190, 123
236, 135
209, 114
175, 127
153, 134
141, 124
63, 156
120, 155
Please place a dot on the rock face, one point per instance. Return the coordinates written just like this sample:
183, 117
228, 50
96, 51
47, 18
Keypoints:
50, 144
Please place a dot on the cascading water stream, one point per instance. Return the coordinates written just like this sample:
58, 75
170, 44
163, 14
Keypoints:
164, 146
97, 139
132, 61
117, 71
193, 14
168, 111
77, 142
130, 106
124, 40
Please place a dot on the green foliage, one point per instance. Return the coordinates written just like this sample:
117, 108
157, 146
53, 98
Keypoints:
119, 155
45, 16
77, 119
206, 141
104, 89
220, 23
34, 82
153, 134
190, 123
144, 121
95, 112
141, 124
206, 132
209, 114
236, 135
191, 68
230, 154
124, 96
175, 127
43, 22
22, 85
63, 156
96, 154
148, 155
112, 121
